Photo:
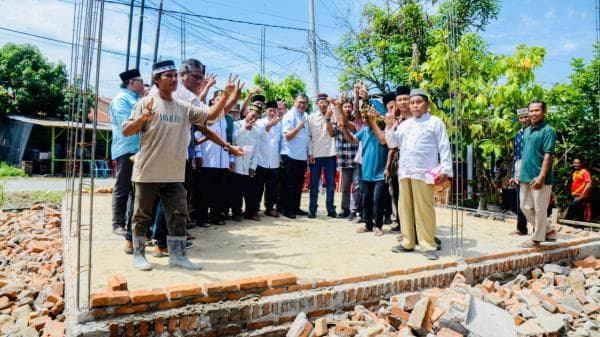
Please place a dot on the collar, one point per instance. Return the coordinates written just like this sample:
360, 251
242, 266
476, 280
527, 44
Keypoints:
130, 92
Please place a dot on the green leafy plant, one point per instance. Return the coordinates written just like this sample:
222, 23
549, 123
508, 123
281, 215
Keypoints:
10, 171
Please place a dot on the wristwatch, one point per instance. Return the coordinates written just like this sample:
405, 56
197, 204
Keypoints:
227, 147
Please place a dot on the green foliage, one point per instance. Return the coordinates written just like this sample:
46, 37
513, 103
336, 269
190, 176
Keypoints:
10, 171
466, 15
73, 95
286, 89
576, 121
488, 88
29, 84
53, 197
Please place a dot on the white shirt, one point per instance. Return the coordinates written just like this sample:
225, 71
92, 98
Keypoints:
320, 143
248, 140
269, 145
420, 141
212, 154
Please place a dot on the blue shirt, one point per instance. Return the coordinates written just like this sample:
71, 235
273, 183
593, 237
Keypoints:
120, 110
374, 155
297, 147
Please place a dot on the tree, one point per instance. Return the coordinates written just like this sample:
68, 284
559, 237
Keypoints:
576, 118
466, 15
483, 95
286, 89
29, 84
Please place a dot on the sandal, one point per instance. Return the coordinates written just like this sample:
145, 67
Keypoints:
377, 231
551, 235
530, 244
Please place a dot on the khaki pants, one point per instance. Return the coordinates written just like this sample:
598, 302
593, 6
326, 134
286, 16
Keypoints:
416, 211
534, 205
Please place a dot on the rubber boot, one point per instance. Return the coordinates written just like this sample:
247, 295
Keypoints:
177, 258
139, 254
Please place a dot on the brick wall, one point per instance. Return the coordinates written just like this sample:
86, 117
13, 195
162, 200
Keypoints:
255, 304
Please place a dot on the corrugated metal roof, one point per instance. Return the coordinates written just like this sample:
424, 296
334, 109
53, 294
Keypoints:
60, 124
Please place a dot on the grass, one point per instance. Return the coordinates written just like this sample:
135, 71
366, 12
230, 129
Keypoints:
26, 199
10, 171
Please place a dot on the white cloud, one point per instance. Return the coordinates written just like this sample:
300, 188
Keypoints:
527, 21
568, 45
550, 14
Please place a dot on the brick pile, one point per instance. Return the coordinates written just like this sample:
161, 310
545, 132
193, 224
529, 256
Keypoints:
31, 273
556, 301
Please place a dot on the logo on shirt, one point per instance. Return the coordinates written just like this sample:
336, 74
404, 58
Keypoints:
170, 118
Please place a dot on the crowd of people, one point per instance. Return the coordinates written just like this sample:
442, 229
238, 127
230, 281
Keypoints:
184, 160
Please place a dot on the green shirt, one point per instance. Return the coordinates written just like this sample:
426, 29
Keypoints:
537, 141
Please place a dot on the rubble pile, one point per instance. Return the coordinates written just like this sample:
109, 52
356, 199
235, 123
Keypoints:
31, 273
555, 301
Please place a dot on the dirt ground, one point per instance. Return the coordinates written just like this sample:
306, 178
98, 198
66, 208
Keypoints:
314, 249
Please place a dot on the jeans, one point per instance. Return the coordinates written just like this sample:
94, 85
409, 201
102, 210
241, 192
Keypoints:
521, 219
123, 196
173, 197
329, 165
372, 203
351, 189
293, 180
267, 181
159, 226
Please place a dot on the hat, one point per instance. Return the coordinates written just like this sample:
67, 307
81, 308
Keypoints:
321, 96
162, 66
218, 92
259, 98
129, 74
388, 97
402, 90
522, 111
419, 92
236, 108
271, 104
255, 109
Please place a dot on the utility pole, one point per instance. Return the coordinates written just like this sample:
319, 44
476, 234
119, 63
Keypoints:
262, 55
313, 47
157, 37
140, 30
129, 35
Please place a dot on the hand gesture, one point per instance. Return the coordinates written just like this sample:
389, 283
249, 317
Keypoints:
389, 120
273, 121
238, 89
329, 112
357, 88
363, 92
236, 151
514, 181
372, 114
211, 79
147, 112
440, 178
249, 125
255, 91
230, 86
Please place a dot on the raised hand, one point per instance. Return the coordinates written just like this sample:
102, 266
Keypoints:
230, 87
211, 79
238, 90
372, 114
147, 113
356, 87
256, 91
363, 92
389, 120
273, 121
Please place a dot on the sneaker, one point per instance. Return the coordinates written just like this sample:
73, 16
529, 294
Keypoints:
377, 231
332, 215
118, 230
311, 215
432, 255
345, 213
128, 247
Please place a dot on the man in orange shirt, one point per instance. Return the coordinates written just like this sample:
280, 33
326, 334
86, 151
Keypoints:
580, 207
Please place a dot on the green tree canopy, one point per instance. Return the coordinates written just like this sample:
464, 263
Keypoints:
29, 84
286, 89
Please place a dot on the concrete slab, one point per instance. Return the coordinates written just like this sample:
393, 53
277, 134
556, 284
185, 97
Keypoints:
314, 249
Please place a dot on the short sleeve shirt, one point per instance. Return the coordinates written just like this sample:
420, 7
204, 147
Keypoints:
581, 178
537, 141
164, 139
374, 155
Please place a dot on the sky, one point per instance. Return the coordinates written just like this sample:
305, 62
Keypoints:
567, 29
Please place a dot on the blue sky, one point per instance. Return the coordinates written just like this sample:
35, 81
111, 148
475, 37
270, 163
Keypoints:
565, 28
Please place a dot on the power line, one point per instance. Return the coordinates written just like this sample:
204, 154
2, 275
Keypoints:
213, 17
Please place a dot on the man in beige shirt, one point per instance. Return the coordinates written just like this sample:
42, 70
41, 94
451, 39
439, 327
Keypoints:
321, 155
159, 169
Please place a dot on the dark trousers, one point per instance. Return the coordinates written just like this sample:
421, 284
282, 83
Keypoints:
521, 219
195, 196
173, 197
328, 164
244, 189
213, 183
159, 226
394, 191
293, 180
267, 181
122, 195
372, 203
577, 209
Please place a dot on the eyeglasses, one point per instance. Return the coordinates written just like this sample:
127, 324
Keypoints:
138, 80
196, 76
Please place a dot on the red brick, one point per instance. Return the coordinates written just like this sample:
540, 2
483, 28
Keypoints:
235, 296
98, 313
258, 325
169, 305
588, 262
114, 330
345, 330
273, 291
147, 296
113, 284
297, 287
283, 320
192, 322
54, 298
129, 329
172, 325
319, 313
54, 329
144, 328
445, 332
38, 322
321, 284
131, 309
183, 290
220, 287
122, 281
183, 321
208, 299
280, 280
398, 272
398, 312
251, 283
109, 298
354, 279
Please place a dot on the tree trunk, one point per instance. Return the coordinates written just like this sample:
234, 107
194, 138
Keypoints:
481, 182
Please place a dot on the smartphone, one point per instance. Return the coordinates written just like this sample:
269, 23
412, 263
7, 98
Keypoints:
378, 106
